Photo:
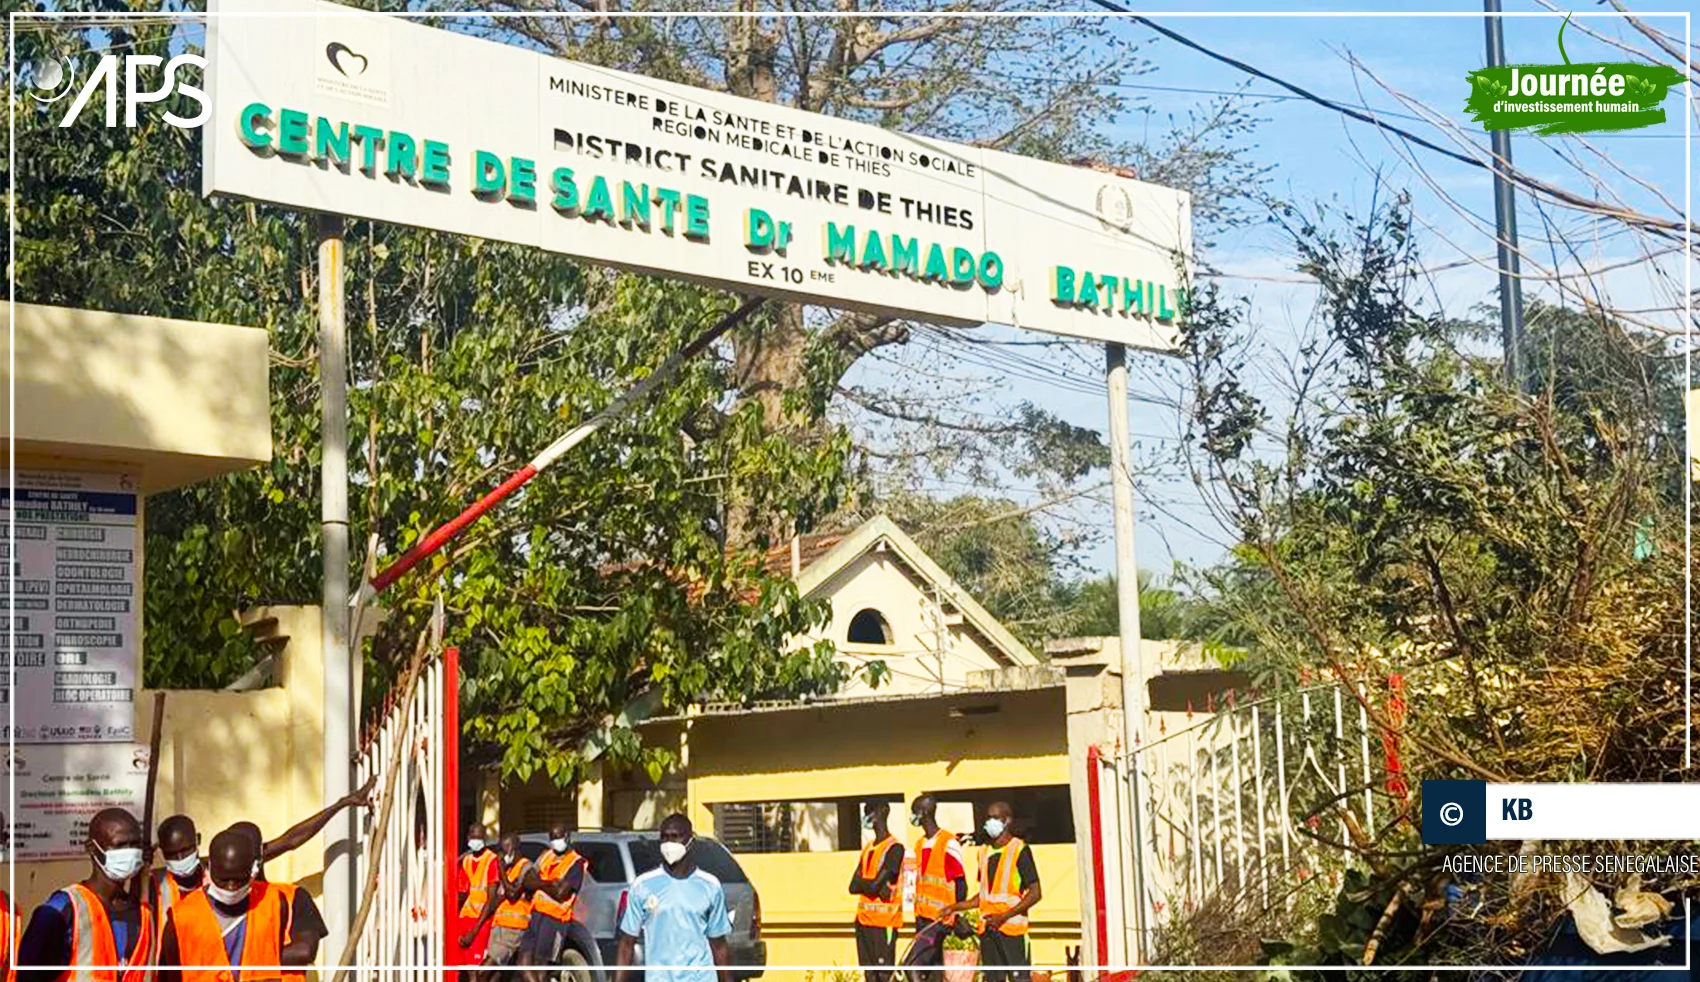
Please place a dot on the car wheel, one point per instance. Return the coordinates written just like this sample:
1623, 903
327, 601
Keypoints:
574, 967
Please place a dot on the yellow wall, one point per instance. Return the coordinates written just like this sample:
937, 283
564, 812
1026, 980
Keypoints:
898, 747
178, 401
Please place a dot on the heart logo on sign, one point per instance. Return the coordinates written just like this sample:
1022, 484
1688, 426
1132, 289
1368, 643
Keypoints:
342, 58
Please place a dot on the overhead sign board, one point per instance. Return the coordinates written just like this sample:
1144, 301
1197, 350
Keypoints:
321, 107
69, 620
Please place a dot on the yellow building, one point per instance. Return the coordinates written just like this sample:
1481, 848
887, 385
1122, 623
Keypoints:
967, 714
169, 403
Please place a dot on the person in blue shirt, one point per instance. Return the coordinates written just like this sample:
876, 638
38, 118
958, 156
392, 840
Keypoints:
679, 912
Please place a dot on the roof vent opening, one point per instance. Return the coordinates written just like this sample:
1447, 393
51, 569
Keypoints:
869, 627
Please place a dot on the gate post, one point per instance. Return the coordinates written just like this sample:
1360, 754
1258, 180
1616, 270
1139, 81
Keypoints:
449, 747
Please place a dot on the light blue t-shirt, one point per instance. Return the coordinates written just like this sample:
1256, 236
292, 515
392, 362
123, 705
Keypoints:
675, 917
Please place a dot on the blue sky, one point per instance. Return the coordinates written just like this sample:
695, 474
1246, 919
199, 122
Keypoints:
1318, 154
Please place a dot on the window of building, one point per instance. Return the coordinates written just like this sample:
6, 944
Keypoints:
869, 627
1043, 814
820, 825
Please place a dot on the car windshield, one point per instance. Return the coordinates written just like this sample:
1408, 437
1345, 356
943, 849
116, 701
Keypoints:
713, 858
646, 855
603, 860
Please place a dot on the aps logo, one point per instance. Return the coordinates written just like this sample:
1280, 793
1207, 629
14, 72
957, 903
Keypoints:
53, 82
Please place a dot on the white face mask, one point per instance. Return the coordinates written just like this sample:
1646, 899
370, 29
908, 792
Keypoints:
229, 898
994, 827
476, 845
559, 845
184, 867
672, 852
915, 820
121, 864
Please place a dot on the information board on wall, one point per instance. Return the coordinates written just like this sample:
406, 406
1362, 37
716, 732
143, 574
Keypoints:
59, 787
321, 107
70, 617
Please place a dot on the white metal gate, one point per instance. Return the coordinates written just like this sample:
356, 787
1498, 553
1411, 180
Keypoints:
1223, 798
408, 836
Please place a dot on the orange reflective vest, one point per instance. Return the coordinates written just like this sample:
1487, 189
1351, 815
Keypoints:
885, 910
477, 868
551, 867
92, 942
166, 892
933, 890
515, 914
999, 891
200, 940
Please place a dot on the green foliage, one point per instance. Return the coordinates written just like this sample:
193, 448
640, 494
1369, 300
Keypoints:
1513, 551
606, 579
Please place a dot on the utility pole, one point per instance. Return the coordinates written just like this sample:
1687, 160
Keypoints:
333, 518
1127, 604
1505, 219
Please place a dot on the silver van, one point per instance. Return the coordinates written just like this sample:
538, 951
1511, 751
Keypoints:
613, 860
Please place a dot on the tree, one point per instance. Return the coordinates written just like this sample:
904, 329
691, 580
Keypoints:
1488, 541
607, 580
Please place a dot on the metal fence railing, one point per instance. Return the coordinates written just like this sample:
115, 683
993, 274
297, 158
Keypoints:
1246, 803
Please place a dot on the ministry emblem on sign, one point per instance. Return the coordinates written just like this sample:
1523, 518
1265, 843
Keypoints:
1114, 207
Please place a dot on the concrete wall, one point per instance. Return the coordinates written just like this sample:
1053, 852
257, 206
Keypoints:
177, 401
229, 756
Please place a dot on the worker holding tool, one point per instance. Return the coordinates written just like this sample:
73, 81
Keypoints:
508, 908
878, 890
239, 922
942, 881
556, 880
96, 922
479, 879
1009, 887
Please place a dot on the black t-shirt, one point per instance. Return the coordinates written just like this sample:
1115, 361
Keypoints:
1026, 870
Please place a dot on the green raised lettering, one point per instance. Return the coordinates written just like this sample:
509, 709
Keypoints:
990, 273
403, 157
936, 269
906, 255
566, 191
840, 244
696, 217
1165, 313
435, 172
254, 115
328, 142
1062, 284
522, 181
873, 252
292, 133
634, 205
600, 204
1088, 295
668, 200
758, 230
371, 139
489, 178
961, 265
